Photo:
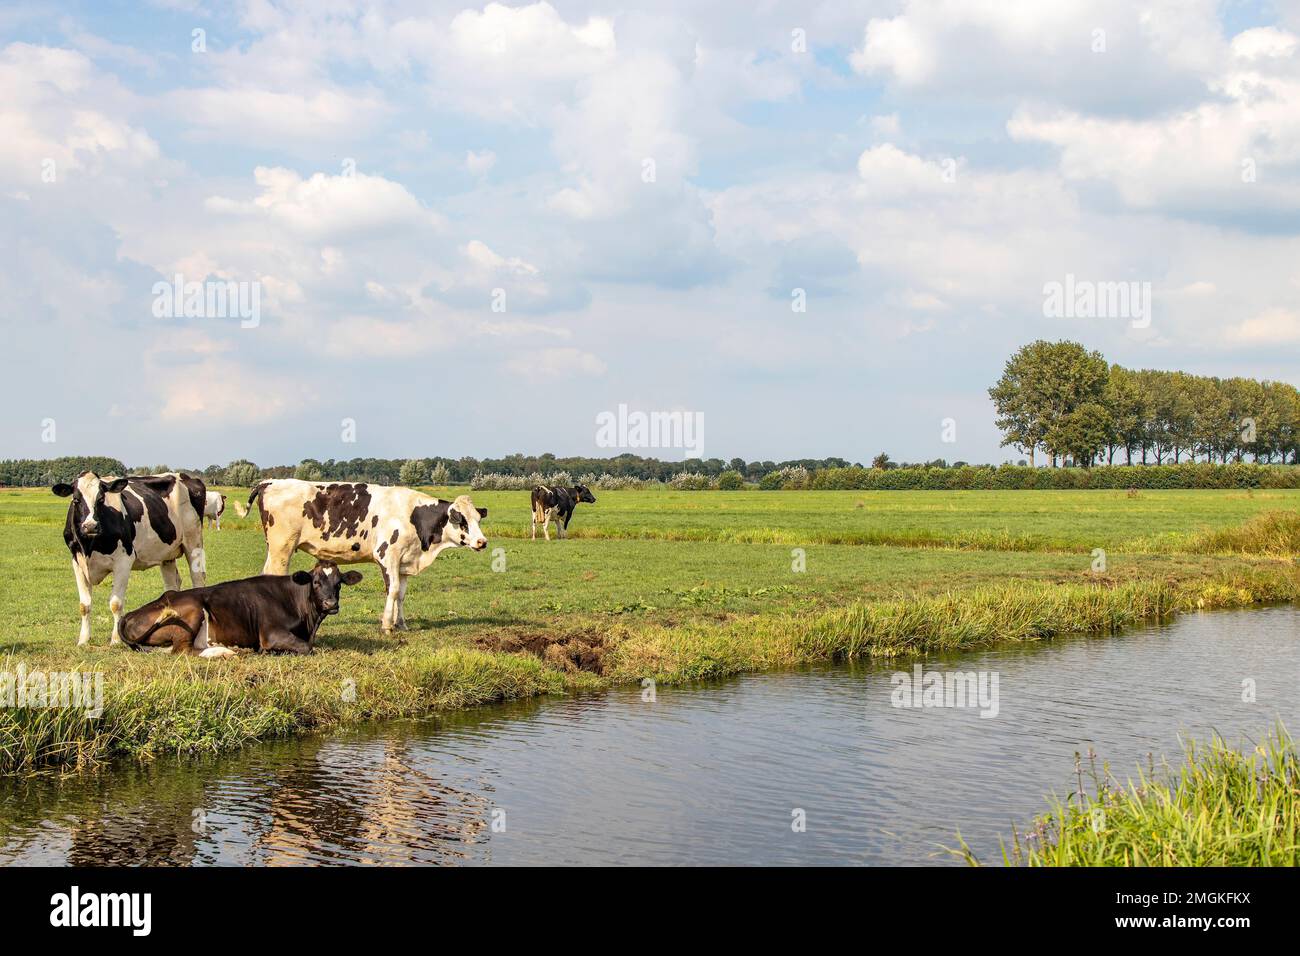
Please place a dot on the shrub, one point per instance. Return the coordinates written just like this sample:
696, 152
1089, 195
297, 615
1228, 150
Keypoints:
789, 478
413, 471
1016, 477
731, 481
242, 474
493, 481
689, 481
608, 482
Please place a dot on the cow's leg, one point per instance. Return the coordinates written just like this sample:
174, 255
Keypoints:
400, 621
561, 525
201, 638
393, 582
83, 594
217, 520
169, 622
534, 524
283, 641
195, 556
171, 577
279, 551
117, 603
546, 526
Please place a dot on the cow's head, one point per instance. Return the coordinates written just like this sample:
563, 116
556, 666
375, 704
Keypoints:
86, 510
326, 581
584, 494
462, 525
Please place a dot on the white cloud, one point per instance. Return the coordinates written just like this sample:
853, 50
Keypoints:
553, 364
509, 63
1148, 53
285, 118
1275, 326
52, 113
1238, 150
325, 207
480, 163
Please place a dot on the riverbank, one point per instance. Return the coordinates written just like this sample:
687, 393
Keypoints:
586, 614
1222, 807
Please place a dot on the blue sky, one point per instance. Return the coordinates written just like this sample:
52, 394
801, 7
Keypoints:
380, 171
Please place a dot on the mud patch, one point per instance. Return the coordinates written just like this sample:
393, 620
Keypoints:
568, 652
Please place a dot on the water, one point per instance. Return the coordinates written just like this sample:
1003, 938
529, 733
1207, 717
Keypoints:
706, 774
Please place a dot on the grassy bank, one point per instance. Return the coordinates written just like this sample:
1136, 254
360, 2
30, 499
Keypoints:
1221, 808
625, 601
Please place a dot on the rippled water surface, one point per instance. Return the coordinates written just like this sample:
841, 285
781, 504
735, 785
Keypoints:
705, 774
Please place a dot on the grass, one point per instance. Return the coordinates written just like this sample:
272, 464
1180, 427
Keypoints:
669, 585
1221, 808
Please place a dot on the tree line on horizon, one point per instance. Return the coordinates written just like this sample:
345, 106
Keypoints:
34, 472
1069, 403
1054, 397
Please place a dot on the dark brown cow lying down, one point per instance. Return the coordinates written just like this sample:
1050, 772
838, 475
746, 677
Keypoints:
270, 612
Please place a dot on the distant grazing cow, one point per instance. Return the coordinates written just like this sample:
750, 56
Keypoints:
270, 613
557, 503
213, 509
117, 525
401, 530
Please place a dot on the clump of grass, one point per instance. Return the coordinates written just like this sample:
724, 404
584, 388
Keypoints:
975, 617
1222, 808
975, 539
1275, 533
205, 707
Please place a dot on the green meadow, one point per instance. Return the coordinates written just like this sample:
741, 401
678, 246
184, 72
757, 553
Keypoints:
664, 585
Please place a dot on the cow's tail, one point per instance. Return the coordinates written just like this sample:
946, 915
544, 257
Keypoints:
254, 495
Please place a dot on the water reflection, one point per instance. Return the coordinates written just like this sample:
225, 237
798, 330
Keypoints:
711, 773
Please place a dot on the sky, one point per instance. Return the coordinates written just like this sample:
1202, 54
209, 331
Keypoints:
821, 228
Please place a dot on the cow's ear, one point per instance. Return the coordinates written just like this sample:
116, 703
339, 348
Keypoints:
62, 489
352, 577
116, 487
482, 512
301, 577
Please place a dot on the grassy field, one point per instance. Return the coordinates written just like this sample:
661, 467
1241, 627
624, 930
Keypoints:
667, 585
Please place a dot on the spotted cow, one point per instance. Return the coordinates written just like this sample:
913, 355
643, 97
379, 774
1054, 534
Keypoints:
214, 508
400, 530
120, 525
557, 504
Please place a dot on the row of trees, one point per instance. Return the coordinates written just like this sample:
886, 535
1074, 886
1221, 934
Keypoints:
1063, 400
412, 471
459, 471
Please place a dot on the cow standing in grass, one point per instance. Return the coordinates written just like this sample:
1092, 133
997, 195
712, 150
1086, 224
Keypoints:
215, 508
557, 504
400, 530
119, 525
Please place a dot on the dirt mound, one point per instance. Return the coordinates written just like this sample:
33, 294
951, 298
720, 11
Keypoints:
569, 652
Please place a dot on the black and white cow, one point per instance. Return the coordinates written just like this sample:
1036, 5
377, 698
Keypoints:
214, 507
400, 530
271, 614
557, 503
117, 525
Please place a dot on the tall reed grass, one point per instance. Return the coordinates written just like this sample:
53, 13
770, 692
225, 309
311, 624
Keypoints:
1221, 808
